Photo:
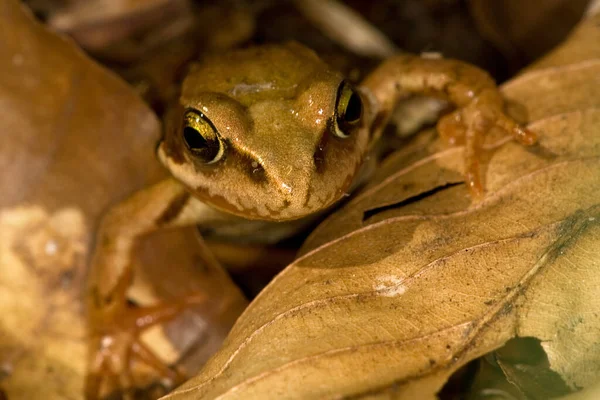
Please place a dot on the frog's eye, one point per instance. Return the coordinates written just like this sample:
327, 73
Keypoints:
348, 110
200, 137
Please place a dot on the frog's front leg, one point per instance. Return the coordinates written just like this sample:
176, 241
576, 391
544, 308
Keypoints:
479, 104
113, 325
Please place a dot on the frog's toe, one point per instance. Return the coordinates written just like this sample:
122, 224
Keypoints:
110, 366
451, 128
457, 128
108, 369
113, 373
115, 346
519, 133
468, 126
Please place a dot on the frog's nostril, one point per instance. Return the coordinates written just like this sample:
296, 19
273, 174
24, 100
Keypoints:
255, 170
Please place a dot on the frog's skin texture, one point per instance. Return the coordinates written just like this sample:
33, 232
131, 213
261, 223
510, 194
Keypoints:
261, 136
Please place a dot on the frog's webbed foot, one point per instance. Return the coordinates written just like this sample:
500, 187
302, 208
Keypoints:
115, 344
468, 125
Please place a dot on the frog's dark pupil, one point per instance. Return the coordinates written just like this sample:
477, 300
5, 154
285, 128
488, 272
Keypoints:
353, 109
194, 139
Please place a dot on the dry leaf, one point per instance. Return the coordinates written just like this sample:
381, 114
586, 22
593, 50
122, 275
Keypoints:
130, 31
521, 30
75, 139
409, 281
96, 24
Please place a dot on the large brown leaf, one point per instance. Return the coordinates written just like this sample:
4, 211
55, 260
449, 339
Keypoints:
410, 281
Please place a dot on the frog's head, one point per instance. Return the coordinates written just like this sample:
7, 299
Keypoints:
267, 133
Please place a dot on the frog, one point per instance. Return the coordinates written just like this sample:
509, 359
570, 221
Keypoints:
260, 141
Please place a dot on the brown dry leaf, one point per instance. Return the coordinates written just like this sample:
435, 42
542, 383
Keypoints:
523, 31
127, 31
410, 281
98, 23
74, 140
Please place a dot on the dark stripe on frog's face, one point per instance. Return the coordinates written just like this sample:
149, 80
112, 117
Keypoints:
247, 163
319, 155
171, 143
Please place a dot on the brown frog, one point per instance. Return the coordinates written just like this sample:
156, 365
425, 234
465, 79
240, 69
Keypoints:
261, 140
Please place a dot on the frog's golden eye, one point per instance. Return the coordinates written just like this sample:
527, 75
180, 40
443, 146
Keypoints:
348, 110
201, 138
